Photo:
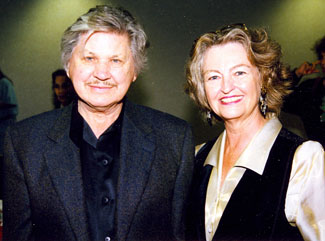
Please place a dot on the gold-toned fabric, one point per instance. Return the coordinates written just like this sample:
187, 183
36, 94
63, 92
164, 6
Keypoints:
305, 198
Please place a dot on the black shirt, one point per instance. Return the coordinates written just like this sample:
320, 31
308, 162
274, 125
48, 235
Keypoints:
100, 164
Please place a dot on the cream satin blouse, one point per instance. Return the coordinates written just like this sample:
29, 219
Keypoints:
305, 199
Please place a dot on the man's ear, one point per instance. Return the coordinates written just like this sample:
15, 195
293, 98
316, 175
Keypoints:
67, 70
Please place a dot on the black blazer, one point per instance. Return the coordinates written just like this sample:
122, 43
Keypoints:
43, 189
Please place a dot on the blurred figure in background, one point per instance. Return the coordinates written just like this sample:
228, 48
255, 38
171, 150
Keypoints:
8, 105
63, 91
308, 97
8, 111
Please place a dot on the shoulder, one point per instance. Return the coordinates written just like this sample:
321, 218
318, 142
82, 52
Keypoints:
290, 136
5, 82
152, 117
38, 123
40, 118
310, 150
6, 87
303, 147
309, 159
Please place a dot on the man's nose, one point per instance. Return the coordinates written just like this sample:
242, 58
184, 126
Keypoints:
102, 71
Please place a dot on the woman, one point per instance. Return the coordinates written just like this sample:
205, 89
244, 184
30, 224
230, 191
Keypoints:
63, 92
256, 181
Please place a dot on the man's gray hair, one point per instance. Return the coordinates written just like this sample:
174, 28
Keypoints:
106, 19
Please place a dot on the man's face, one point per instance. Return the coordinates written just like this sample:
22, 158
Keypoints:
102, 69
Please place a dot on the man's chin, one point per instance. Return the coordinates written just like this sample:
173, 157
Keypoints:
101, 106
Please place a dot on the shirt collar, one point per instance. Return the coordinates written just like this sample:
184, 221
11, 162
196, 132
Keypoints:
113, 130
256, 153
76, 125
80, 130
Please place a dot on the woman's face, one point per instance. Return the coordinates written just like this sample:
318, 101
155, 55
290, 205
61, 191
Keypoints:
231, 82
63, 89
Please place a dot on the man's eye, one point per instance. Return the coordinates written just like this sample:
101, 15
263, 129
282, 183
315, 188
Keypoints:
116, 61
89, 58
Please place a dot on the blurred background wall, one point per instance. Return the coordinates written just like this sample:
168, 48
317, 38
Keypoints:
30, 33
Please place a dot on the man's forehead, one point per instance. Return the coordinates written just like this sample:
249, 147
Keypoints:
84, 39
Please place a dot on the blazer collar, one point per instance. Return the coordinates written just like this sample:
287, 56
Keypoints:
61, 127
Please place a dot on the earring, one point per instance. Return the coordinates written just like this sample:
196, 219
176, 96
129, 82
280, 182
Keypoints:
263, 103
209, 119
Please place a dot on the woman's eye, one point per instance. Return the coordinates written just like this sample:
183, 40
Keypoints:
239, 73
214, 77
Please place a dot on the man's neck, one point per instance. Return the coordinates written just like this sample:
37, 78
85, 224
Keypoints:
99, 120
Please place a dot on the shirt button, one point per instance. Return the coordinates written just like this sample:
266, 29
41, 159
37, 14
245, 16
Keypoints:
105, 200
210, 229
107, 239
105, 162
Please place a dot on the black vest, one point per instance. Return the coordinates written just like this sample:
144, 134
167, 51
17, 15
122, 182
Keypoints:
255, 210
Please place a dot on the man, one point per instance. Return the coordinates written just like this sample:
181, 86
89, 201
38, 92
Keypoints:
103, 168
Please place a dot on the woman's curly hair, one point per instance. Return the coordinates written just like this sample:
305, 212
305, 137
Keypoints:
262, 52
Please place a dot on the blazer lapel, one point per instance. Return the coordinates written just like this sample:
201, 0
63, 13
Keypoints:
137, 155
63, 161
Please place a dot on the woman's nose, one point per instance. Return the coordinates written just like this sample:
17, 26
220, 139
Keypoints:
227, 84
